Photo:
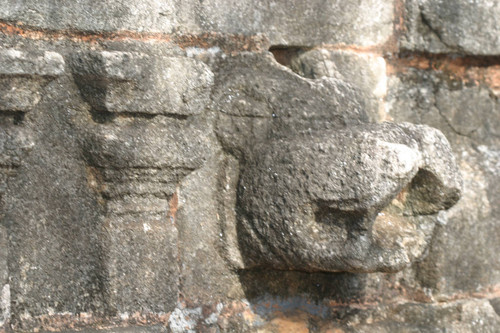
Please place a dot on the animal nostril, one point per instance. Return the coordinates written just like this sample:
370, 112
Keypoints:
426, 194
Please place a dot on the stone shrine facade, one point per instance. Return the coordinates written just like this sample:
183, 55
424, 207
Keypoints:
229, 166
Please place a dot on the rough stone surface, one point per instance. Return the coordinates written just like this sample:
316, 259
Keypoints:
468, 114
109, 193
294, 150
459, 26
364, 22
22, 75
53, 248
133, 82
365, 72
161, 171
4, 278
302, 23
246, 111
137, 329
309, 202
460, 316
201, 240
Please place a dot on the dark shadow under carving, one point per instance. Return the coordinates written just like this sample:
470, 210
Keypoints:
270, 292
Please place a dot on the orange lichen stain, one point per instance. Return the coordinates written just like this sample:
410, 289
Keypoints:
228, 43
399, 27
401, 65
487, 293
296, 322
238, 309
492, 79
35, 33
334, 330
173, 205
468, 69
249, 316
399, 13
402, 194
234, 308
95, 183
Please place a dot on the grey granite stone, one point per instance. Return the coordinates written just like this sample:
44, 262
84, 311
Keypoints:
456, 26
366, 22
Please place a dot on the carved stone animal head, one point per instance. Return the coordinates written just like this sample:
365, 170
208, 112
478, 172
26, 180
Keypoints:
345, 200
320, 188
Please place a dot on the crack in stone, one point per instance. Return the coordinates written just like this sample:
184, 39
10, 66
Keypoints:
448, 122
425, 21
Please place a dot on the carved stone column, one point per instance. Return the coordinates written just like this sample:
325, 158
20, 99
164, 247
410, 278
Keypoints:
146, 135
23, 76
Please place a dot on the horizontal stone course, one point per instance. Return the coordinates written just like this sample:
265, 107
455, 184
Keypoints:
363, 22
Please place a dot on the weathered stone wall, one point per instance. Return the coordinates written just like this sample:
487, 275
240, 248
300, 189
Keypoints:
144, 147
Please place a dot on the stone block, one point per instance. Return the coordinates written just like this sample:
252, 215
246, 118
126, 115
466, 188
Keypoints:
129, 82
20, 63
364, 23
151, 185
304, 23
254, 94
135, 177
100, 16
140, 255
53, 236
468, 114
459, 316
365, 72
160, 143
455, 26
457, 108
4, 278
205, 276
23, 74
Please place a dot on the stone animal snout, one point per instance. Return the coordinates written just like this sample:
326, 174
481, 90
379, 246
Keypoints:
360, 199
